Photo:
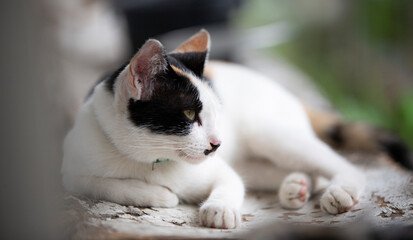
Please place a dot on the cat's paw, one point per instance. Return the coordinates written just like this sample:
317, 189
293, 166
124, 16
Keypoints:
216, 215
164, 198
338, 199
295, 190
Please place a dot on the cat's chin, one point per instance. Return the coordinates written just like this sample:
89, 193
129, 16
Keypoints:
191, 158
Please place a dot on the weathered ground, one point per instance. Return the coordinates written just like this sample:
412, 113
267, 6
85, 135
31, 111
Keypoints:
388, 200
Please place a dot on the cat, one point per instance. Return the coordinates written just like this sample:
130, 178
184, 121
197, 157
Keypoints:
174, 127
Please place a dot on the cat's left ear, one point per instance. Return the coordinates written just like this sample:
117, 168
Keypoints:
193, 53
144, 67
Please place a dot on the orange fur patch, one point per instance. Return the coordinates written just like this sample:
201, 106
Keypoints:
182, 73
355, 136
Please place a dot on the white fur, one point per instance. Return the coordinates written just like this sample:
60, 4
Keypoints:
107, 157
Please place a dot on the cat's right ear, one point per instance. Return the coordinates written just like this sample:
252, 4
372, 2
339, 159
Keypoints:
143, 68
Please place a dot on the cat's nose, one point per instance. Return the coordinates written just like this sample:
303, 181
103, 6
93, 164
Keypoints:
214, 146
215, 142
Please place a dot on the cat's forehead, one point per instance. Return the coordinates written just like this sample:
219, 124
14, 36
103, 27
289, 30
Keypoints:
203, 84
189, 62
177, 89
189, 65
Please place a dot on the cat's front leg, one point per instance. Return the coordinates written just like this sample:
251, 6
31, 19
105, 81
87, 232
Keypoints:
222, 208
123, 191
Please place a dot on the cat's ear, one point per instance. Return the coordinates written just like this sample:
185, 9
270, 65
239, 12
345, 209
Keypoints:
193, 53
197, 43
143, 68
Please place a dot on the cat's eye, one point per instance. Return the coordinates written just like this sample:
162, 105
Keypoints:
190, 114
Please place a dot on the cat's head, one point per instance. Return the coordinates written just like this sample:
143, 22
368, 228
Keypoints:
169, 108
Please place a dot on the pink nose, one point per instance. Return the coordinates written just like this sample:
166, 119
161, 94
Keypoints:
215, 142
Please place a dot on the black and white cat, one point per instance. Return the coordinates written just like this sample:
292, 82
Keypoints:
166, 128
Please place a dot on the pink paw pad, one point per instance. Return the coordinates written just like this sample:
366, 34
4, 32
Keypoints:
302, 193
341, 210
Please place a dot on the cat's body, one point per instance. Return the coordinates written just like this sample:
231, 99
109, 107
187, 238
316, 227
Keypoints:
162, 107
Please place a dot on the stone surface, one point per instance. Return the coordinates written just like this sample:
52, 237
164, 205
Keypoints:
388, 200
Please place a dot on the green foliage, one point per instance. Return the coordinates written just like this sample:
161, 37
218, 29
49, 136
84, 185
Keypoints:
384, 21
404, 117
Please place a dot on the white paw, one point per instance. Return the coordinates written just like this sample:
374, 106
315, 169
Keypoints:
216, 215
338, 199
164, 198
295, 190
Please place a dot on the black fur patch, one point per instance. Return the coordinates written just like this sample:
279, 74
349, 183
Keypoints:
193, 61
335, 134
164, 113
396, 149
110, 83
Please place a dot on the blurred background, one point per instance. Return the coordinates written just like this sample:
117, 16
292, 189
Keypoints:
359, 54
352, 56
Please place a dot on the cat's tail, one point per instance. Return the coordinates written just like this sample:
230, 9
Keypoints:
358, 136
